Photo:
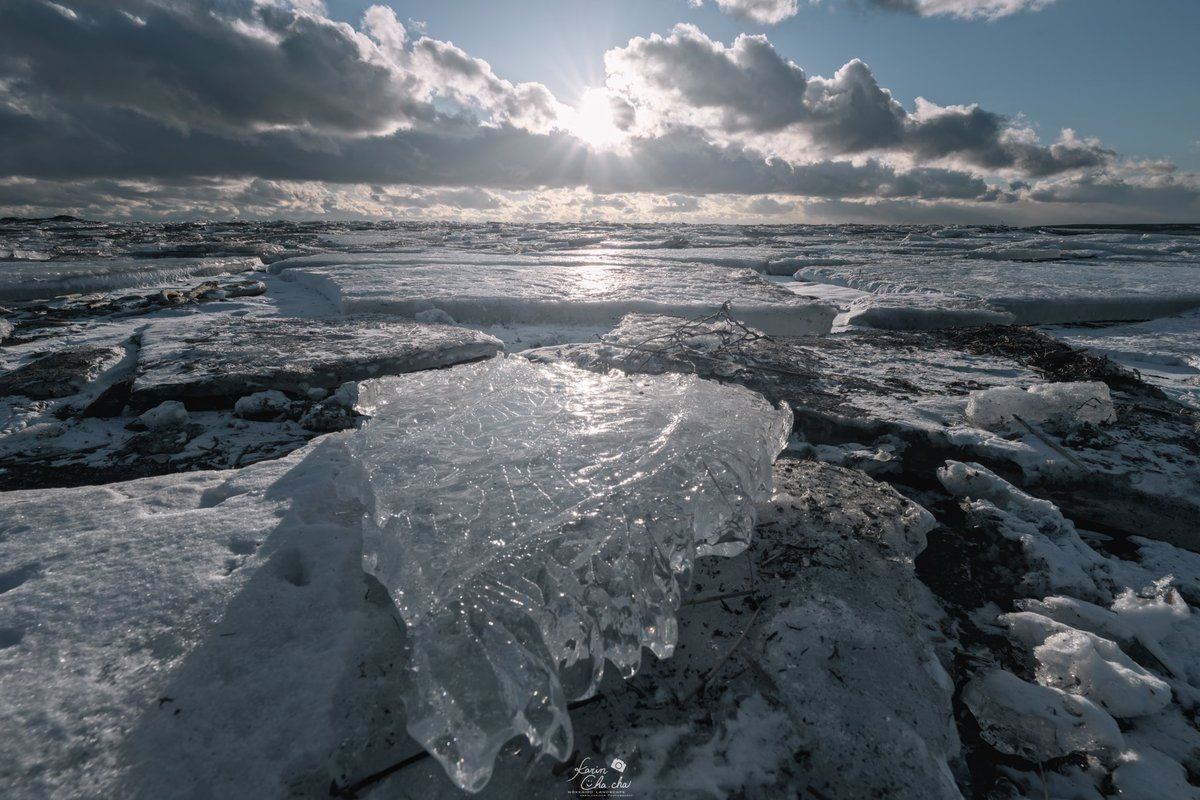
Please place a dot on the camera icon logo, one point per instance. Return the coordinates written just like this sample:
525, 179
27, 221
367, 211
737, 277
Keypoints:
618, 765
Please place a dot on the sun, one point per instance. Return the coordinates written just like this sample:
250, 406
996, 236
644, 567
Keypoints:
592, 120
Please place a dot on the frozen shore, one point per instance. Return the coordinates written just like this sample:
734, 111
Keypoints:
972, 570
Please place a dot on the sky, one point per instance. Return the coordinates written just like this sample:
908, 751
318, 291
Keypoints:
752, 111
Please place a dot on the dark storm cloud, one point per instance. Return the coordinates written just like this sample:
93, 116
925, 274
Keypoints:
125, 145
226, 66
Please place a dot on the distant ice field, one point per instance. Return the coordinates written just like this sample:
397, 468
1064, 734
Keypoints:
784, 279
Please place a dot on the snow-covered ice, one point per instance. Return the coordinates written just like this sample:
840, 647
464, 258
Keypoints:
167, 414
532, 521
1166, 351
262, 405
179, 636
1088, 665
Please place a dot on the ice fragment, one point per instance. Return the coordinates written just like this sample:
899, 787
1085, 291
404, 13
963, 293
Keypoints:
531, 521
1084, 402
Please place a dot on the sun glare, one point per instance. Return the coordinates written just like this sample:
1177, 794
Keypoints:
592, 120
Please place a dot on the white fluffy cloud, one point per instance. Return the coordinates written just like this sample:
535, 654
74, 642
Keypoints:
747, 92
764, 12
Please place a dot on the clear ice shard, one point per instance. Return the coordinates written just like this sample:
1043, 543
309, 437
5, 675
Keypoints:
532, 521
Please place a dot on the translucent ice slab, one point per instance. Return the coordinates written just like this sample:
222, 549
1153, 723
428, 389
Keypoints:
596, 292
531, 521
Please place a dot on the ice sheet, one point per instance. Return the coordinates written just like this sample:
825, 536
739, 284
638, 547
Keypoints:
494, 292
922, 311
1077, 290
214, 360
43, 280
532, 521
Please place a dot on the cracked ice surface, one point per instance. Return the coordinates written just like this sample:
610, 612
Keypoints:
531, 521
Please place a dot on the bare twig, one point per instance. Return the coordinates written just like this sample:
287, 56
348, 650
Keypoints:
716, 598
1050, 442
716, 667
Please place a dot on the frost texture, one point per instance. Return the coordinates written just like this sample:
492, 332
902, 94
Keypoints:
531, 521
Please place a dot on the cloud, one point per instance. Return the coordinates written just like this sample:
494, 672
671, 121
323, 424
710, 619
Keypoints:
689, 77
196, 67
773, 12
262, 108
734, 92
764, 12
769, 206
965, 9
243, 67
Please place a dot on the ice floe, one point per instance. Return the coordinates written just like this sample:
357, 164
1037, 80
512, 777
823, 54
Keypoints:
922, 311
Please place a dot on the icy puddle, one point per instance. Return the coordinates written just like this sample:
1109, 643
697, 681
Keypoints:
494, 291
531, 521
